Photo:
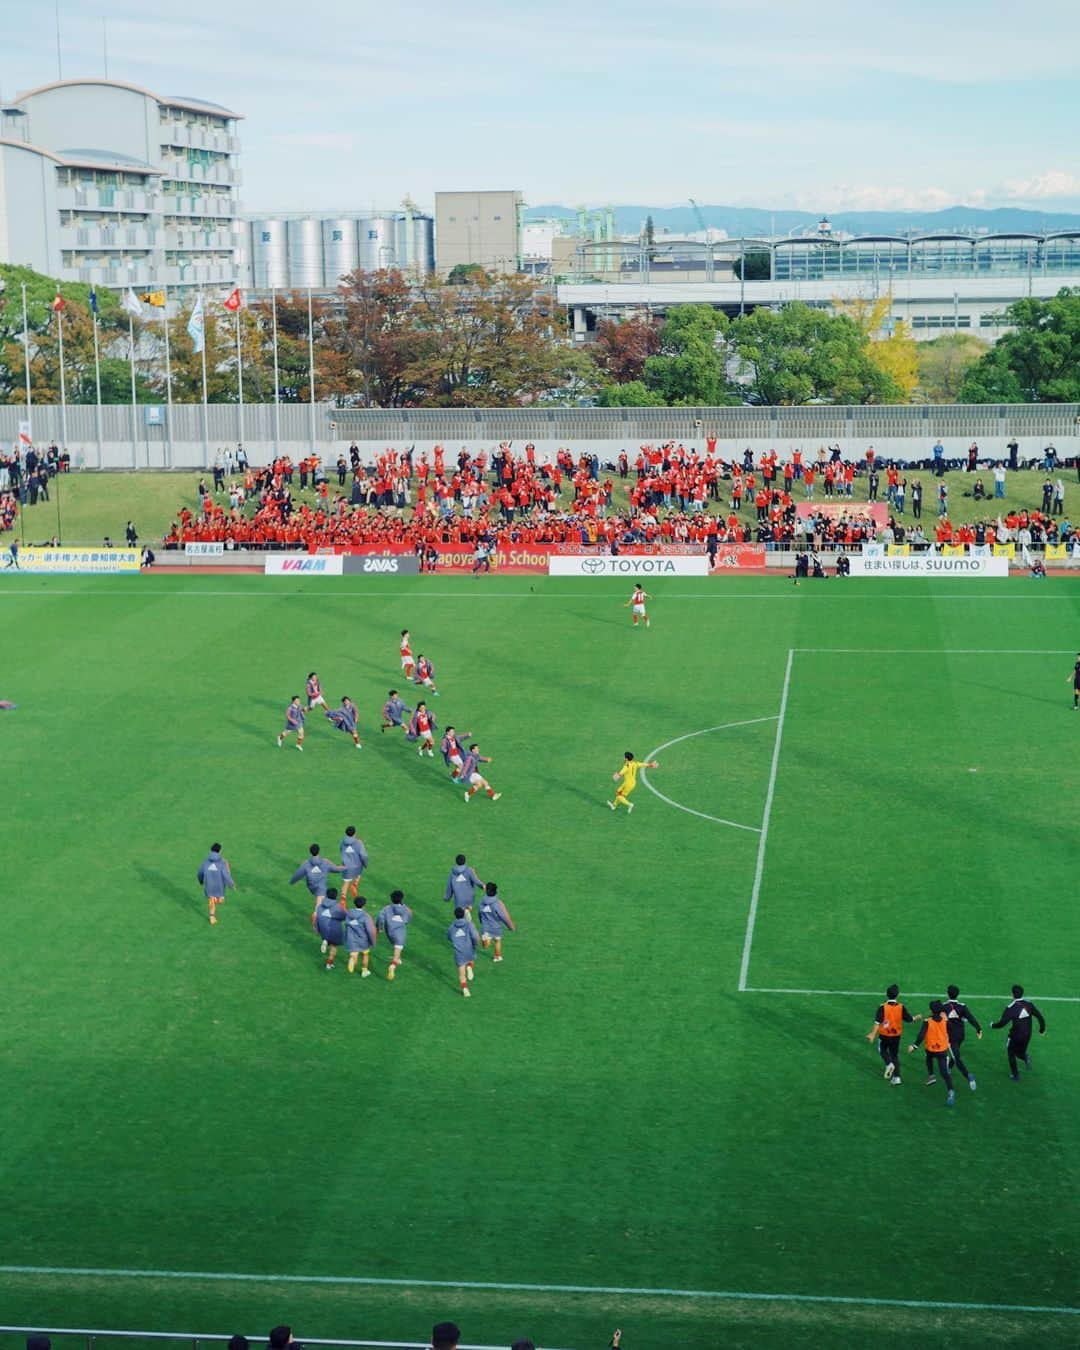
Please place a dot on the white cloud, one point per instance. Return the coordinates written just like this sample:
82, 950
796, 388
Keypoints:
874, 197
1052, 185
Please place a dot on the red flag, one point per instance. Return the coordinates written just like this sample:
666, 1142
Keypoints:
58, 304
233, 302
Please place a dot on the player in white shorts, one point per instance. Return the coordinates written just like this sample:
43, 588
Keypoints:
470, 774
315, 694
637, 600
407, 662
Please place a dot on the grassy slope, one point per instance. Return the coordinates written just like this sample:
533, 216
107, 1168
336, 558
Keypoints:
93, 504
606, 1109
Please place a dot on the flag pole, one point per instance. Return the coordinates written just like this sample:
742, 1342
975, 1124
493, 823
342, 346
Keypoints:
26, 352
63, 386
205, 409
277, 394
134, 424
168, 381
97, 389
239, 381
311, 371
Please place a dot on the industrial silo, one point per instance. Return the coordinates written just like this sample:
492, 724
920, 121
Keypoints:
414, 243
305, 253
269, 254
340, 250
377, 246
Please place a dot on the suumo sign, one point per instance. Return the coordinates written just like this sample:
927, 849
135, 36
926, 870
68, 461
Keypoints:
628, 565
928, 565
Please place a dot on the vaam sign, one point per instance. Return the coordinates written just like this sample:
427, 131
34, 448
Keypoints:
289, 565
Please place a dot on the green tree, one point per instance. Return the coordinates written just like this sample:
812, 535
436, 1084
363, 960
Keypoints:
1038, 362
690, 368
797, 354
943, 363
758, 266
633, 394
462, 273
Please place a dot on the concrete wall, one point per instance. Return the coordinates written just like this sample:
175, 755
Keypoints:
29, 223
894, 432
95, 117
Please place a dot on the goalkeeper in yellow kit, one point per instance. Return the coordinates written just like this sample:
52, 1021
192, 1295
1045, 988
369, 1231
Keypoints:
628, 776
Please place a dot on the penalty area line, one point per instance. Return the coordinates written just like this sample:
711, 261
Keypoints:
876, 993
729, 1295
688, 736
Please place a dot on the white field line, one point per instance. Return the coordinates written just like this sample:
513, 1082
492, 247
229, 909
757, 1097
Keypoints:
258, 594
877, 993
724, 726
510, 1287
751, 918
933, 651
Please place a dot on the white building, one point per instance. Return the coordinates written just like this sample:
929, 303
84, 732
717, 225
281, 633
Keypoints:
106, 182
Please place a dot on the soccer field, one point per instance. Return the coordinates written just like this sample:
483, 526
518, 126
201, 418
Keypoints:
661, 1112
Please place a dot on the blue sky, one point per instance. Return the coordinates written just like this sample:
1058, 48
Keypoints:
851, 104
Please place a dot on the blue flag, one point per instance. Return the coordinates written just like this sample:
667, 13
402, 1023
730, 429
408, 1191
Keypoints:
93, 300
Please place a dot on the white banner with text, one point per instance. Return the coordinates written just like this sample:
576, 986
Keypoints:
632, 565
304, 565
928, 565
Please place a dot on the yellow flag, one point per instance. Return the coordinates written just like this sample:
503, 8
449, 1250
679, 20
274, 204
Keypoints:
155, 298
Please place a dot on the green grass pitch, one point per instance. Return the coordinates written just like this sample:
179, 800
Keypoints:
610, 1109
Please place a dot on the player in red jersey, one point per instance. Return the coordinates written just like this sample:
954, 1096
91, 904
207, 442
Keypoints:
408, 665
425, 674
422, 729
637, 600
315, 694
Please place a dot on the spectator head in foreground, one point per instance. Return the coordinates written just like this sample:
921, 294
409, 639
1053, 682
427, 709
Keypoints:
280, 1337
38, 1343
523, 1344
239, 1343
445, 1336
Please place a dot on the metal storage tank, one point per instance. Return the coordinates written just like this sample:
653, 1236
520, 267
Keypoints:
269, 254
414, 243
377, 243
340, 249
305, 253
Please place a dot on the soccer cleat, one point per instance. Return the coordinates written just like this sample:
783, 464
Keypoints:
213, 919
896, 1080
950, 1097
359, 746
364, 974
931, 1081
495, 796
280, 742
612, 805
971, 1084
629, 807
1015, 1077
465, 991
1027, 1060
468, 795
468, 972
391, 972
431, 754
496, 961
329, 965
890, 1069
300, 748
420, 752
324, 946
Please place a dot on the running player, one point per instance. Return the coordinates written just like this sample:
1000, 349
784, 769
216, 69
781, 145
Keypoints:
394, 920
1017, 1017
957, 1014
314, 871
422, 728
888, 1028
354, 858
328, 920
494, 918
462, 884
315, 694
934, 1033
1075, 677
294, 721
637, 600
393, 712
360, 936
463, 937
452, 752
344, 718
407, 663
473, 778
215, 876
424, 673
628, 774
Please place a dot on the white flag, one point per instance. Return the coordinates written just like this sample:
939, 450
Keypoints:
131, 303
196, 327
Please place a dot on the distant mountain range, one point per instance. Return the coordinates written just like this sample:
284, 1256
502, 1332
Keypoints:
752, 222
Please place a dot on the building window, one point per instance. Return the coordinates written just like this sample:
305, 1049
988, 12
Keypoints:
337, 236
266, 236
